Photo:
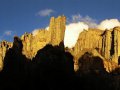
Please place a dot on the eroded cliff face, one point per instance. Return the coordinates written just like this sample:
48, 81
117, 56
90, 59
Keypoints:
106, 43
55, 35
103, 44
32, 43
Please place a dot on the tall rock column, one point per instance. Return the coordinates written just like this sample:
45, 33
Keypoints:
57, 29
116, 31
107, 44
4, 46
118, 41
26, 41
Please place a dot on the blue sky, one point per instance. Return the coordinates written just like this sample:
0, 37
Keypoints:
19, 16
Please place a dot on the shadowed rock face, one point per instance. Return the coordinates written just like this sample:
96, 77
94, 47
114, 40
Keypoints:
89, 63
53, 69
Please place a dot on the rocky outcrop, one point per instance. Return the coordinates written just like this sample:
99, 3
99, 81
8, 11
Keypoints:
55, 35
105, 43
32, 43
4, 46
88, 39
57, 29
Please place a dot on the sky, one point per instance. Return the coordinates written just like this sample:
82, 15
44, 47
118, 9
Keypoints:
20, 16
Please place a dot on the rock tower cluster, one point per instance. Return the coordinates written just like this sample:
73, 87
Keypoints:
32, 43
54, 35
106, 43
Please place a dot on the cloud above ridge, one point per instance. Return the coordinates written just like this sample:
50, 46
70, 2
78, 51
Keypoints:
45, 12
35, 32
8, 33
72, 33
77, 23
92, 23
108, 24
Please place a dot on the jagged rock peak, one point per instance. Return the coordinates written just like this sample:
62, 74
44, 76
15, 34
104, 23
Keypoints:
36, 40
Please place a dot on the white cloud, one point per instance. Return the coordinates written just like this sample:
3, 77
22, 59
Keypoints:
92, 23
87, 20
35, 32
72, 33
76, 18
8, 33
47, 28
45, 12
76, 25
108, 24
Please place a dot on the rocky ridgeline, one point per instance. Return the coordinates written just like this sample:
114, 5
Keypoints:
103, 44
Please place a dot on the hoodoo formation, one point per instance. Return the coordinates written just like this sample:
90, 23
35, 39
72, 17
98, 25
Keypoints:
104, 44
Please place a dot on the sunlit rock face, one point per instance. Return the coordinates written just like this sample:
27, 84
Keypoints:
105, 43
39, 38
4, 46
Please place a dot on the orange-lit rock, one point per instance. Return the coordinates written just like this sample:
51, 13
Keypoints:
104, 44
